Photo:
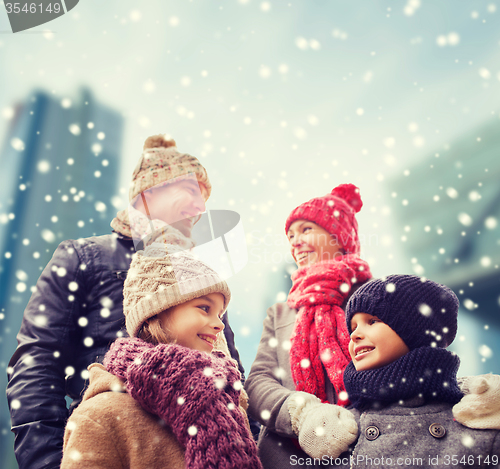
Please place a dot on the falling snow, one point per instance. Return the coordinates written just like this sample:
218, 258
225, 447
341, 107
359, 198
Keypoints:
280, 105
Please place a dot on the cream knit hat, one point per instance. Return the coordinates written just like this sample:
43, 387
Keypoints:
161, 162
163, 276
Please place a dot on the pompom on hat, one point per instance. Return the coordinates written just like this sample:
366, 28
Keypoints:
164, 276
161, 162
422, 312
335, 212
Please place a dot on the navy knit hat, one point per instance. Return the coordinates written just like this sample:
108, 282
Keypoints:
420, 311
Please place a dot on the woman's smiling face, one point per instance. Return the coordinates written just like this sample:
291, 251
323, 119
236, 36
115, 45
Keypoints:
310, 243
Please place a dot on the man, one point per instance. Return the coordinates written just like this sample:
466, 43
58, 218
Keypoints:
76, 310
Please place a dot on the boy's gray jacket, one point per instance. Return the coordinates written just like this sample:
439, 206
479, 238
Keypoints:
422, 436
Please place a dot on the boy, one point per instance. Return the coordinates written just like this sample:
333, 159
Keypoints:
402, 381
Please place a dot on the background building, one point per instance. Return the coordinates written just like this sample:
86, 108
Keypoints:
59, 174
449, 208
281, 102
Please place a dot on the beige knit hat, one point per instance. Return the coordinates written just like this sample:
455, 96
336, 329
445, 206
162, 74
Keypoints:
161, 162
163, 276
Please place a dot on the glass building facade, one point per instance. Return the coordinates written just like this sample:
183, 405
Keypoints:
59, 175
449, 208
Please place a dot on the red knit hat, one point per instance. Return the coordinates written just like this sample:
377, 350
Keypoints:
335, 213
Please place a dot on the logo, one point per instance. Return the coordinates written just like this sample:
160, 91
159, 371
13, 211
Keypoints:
26, 14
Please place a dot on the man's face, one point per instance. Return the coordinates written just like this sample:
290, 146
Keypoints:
179, 204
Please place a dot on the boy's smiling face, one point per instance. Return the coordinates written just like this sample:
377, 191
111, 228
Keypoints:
373, 343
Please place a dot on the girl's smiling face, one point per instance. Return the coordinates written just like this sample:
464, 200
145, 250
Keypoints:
310, 243
195, 323
373, 343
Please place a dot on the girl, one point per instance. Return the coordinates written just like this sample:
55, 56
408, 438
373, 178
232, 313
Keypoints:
164, 398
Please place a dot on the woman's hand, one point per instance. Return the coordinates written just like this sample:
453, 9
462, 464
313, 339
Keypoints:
323, 429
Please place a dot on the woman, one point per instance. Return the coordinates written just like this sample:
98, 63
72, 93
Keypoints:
304, 346
298, 372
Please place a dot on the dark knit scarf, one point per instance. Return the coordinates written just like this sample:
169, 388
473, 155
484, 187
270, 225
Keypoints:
320, 335
195, 393
427, 372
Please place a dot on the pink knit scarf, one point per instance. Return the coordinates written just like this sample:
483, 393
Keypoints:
320, 335
195, 393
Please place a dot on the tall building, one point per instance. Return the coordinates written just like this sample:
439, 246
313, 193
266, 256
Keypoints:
450, 208
59, 174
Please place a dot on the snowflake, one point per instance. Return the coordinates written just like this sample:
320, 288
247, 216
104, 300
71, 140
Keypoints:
265, 414
75, 129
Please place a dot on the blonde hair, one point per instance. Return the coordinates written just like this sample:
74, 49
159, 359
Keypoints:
153, 332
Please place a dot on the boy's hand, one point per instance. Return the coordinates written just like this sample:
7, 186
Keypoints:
480, 407
323, 429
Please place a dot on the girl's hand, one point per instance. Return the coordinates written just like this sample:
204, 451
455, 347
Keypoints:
480, 407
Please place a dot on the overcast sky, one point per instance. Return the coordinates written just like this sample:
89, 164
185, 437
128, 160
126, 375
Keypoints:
280, 100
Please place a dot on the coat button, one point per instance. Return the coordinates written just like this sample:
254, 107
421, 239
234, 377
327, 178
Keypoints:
437, 430
372, 433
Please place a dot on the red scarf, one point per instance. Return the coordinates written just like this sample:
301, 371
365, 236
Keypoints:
320, 335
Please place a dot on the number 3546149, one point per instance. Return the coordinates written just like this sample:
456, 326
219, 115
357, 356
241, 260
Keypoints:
33, 8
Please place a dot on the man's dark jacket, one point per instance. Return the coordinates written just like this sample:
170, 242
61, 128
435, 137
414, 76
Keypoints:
70, 321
